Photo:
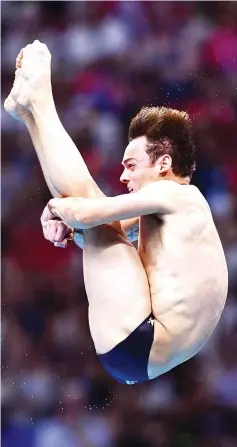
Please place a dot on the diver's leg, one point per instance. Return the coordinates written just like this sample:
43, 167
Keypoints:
116, 285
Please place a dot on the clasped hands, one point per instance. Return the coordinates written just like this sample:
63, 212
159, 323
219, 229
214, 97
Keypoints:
60, 218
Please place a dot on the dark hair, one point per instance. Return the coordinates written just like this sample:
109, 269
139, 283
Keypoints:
168, 131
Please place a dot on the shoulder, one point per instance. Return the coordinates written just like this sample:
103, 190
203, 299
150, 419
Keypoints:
165, 189
163, 195
192, 196
193, 207
169, 197
165, 186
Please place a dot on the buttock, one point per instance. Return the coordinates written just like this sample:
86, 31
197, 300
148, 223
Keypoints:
127, 362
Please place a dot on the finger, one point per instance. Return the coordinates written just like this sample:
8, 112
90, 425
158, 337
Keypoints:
46, 215
62, 244
62, 230
49, 232
70, 236
53, 228
46, 232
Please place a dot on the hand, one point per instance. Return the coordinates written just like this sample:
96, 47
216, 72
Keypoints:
55, 230
32, 79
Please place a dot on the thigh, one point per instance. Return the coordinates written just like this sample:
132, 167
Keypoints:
116, 285
161, 356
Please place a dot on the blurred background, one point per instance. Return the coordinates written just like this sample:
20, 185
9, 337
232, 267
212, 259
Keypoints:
108, 60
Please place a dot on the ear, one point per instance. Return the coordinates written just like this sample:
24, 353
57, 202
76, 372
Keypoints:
165, 163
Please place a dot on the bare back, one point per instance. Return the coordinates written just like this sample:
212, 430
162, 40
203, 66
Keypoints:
186, 269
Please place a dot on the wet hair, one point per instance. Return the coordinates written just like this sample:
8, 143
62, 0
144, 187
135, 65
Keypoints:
168, 131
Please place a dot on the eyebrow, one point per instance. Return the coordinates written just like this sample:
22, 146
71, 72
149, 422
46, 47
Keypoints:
127, 159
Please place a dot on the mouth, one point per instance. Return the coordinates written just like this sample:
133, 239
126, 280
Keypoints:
130, 190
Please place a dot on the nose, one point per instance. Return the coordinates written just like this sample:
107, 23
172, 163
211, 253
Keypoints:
124, 177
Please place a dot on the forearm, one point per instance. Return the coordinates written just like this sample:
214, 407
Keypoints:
62, 160
83, 213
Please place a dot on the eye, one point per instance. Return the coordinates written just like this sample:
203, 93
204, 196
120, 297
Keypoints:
131, 167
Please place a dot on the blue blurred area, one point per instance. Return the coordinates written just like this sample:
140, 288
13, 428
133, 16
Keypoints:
108, 60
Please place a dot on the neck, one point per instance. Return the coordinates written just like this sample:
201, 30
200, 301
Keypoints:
177, 179
183, 180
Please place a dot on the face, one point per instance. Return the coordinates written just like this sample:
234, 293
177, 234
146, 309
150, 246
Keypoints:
138, 170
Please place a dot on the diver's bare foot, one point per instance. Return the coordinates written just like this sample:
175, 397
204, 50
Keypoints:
32, 80
16, 110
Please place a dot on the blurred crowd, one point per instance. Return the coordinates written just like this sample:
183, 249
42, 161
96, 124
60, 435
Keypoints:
108, 60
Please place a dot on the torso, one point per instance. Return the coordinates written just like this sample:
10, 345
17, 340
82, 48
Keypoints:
186, 269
